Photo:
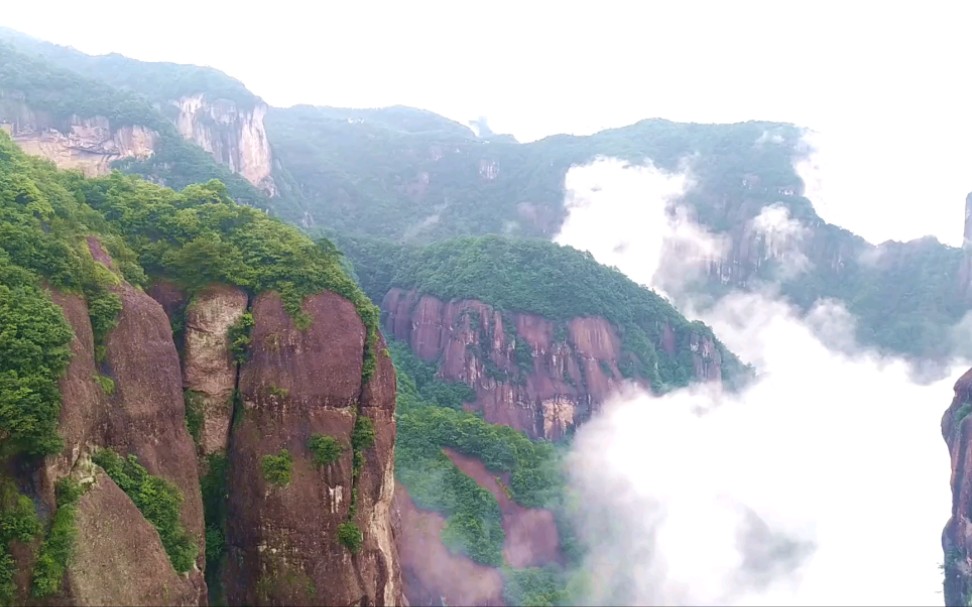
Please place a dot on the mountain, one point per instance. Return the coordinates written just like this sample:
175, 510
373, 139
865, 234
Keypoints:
159, 125
408, 175
500, 343
542, 333
194, 398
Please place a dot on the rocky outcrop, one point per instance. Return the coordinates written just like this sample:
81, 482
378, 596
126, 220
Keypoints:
283, 536
88, 144
209, 371
529, 373
957, 535
120, 558
235, 136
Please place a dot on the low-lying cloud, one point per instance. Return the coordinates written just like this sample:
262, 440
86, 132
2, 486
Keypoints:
871, 179
628, 216
782, 238
826, 481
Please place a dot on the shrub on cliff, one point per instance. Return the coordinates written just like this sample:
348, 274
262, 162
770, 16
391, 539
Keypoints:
277, 468
157, 499
324, 449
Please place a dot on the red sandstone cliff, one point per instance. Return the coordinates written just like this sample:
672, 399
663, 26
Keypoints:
119, 558
957, 535
545, 391
283, 541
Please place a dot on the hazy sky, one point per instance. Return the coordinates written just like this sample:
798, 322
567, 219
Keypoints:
887, 82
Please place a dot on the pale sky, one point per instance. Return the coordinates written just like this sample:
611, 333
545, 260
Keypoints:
886, 83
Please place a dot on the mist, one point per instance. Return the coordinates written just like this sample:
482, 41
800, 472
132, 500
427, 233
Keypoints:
826, 481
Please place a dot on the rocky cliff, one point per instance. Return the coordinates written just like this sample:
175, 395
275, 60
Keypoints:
130, 402
324, 536
89, 144
282, 536
89, 113
957, 535
533, 374
234, 135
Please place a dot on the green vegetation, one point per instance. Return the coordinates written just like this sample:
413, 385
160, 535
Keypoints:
363, 435
400, 175
278, 392
157, 499
239, 337
553, 281
403, 174
18, 523
277, 468
324, 449
215, 492
362, 438
195, 237
535, 586
156, 81
106, 384
55, 552
350, 536
905, 296
195, 414
473, 519
425, 426
34, 341
199, 237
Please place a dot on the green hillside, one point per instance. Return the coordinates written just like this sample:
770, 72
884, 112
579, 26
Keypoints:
556, 282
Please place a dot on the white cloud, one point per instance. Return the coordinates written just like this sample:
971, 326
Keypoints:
783, 238
628, 216
832, 465
824, 482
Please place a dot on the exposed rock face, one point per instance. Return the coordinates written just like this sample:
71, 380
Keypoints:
122, 560
119, 558
208, 368
283, 538
433, 575
555, 380
234, 136
766, 234
957, 535
87, 144
283, 545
